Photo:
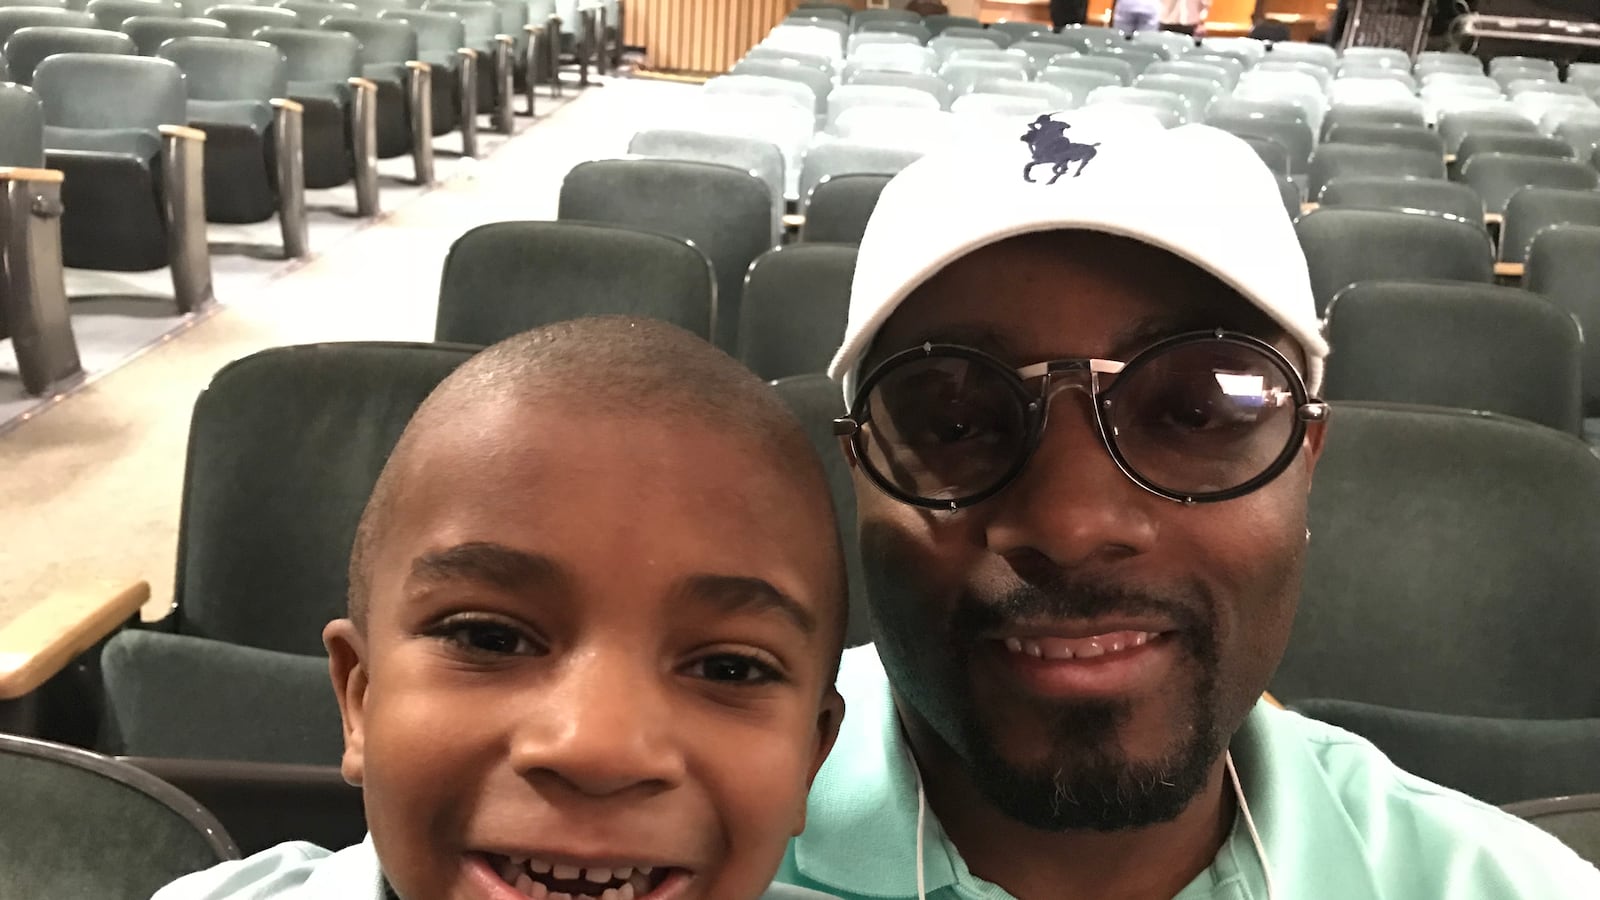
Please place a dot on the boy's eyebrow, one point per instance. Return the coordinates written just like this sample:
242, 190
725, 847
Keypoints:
489, 563
733, 592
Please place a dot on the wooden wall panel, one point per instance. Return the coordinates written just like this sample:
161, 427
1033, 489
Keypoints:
700, 37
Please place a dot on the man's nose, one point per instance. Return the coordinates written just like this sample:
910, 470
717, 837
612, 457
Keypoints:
603, 729
1071, 503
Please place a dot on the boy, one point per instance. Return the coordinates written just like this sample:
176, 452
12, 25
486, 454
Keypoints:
596, 608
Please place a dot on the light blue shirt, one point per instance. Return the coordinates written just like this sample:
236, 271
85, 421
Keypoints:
1337, 819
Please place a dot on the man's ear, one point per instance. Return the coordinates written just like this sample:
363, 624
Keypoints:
829, 718
346, 654
1316, 434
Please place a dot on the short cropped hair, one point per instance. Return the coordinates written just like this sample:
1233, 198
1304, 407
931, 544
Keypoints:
612, 365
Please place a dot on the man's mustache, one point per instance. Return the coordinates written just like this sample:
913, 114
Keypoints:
1189, 608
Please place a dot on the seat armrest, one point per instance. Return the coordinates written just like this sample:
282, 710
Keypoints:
49, 636
418, 65
183, 132
286, 103
1508, 269
22, 173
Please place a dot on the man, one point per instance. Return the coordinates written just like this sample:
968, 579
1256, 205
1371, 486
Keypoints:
1068, 12
1083, 421
1185, 16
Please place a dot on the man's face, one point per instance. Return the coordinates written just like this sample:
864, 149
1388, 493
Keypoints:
1192, 604
595, 662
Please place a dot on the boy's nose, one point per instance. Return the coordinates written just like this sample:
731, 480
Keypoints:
603, 729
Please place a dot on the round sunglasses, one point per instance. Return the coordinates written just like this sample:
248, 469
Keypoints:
1195, 418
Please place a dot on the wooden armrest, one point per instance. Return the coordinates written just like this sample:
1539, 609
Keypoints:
20, 173
1492, 218
1271, 700
1308, 206
1449, 158
533, 29
505, 39
184, 132
468, 52
417, 65
793, 220
362, 84
47, 637
1508, 269
286, 103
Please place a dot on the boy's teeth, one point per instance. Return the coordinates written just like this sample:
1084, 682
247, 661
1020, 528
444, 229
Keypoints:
538, 867
625, 892
597, 875
565, 873
623, 874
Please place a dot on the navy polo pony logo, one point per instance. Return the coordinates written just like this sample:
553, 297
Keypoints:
1048, 140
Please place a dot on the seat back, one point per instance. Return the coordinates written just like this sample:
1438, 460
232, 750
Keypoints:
1346, 246
315, 56
932, 85
110, 14
1574, 819
480, 18
96, 90
1273, 154
1563, 266
437, 32
1415, 137
228, 69
284, 448
816, 401
1455, 126
150, 32
795, 301
1292, 133
1511, 142
245, 21
761, 158
508, 277
382, 41
725, 212
79, 824
22, 140
1436, 576
1118, 67
846, 157
1446, 198
29, 46
840, 206
17, 17
816, 78
312, 14
1534, 209
1337, 160
1497, 176
1468, 346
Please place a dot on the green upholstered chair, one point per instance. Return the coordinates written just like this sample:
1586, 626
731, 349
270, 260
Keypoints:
795, 301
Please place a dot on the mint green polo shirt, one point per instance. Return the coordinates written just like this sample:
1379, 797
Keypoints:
1337, 819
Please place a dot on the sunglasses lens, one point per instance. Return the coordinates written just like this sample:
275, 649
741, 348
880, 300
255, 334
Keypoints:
1203, 417
944, 428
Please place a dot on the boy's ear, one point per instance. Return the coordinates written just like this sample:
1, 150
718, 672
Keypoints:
346, 651
829, 718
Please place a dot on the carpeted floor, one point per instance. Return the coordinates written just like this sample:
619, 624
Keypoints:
89, 484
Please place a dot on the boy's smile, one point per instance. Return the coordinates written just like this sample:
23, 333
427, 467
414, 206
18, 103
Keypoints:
597, 660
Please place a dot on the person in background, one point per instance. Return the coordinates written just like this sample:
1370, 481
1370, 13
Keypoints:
1185, 16
1068, 12
1131, 16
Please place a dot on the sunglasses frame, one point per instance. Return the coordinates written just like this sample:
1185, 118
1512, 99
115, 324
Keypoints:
851, 429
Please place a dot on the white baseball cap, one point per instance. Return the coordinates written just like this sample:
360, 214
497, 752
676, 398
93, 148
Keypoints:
1195, 191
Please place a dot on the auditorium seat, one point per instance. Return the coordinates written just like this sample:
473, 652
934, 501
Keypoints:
1121, 68
33, 296
481, 24
1081, 82
507, 277
895, 57
1224, 77
932, 85
851, 96
441, 43
110, 14
795, 300
1140, 58
27, 47
1169, 109
1510, 142
339, 129
963, 38
1369, 116
1040, 52
390, 59
840, 206
312, 13
753, 155
253, 159
1533, 209
244, 21
1427, 195
939, 22
1334, 160
812, 76
133, 194
1316, 54
1197, 93
1467, 346
1573, 819
1454, 127
1495, 760
723, 211
964, 75
1563, 266
79, 824
1019, 31
911, 29
764, 88
843, 157
150, 32
816, 401
857, 40
1496, 176
15, 17
1450, 567
1345, 246
1415, 137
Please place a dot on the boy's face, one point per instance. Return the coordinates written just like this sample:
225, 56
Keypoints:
593, 644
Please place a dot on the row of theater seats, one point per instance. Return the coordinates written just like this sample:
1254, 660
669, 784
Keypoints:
130, 126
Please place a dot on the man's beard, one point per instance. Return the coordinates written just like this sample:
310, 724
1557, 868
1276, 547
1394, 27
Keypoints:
1086, 780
